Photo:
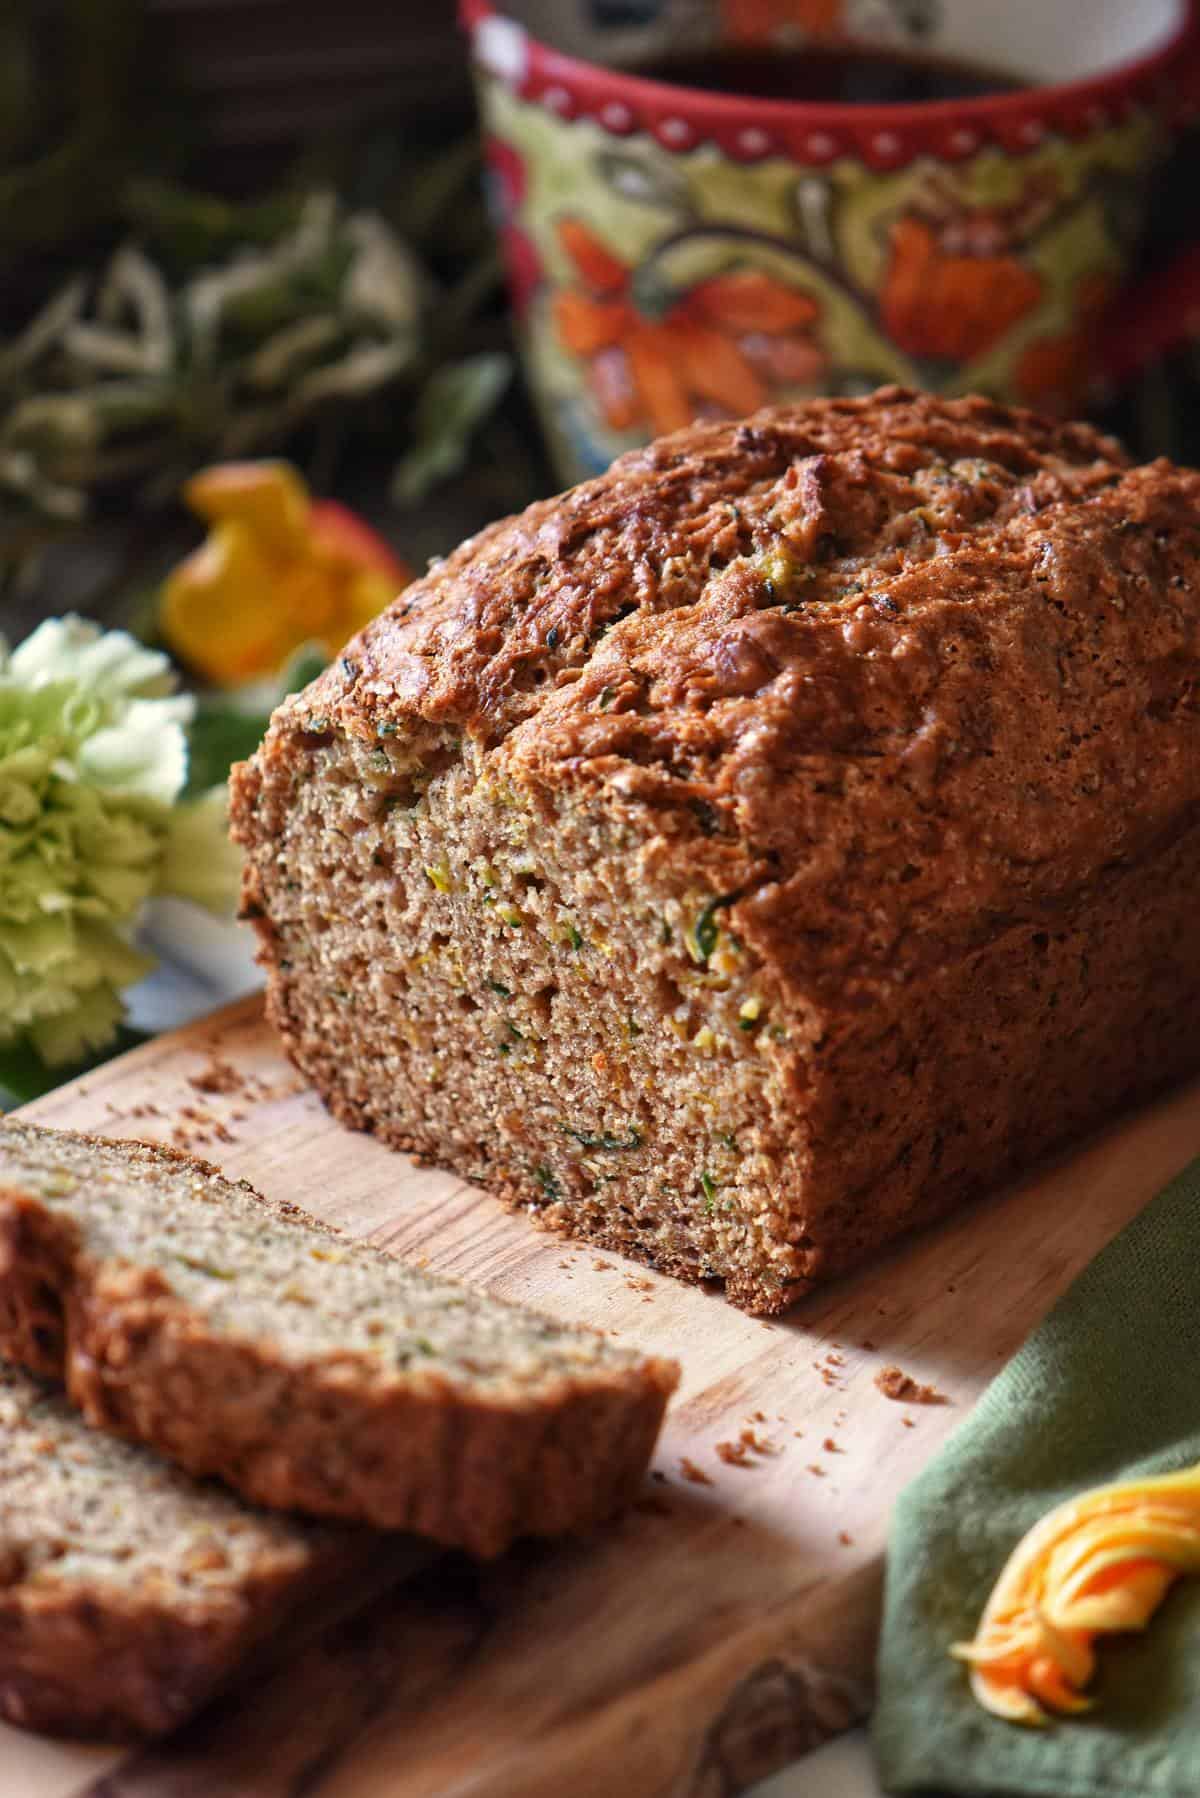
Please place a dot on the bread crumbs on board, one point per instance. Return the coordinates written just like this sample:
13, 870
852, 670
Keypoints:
734, 1454
759, 1445
690, 1471
218, 1077
894, 1383
830, 1366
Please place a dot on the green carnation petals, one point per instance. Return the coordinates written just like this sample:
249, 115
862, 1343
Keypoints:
93, 759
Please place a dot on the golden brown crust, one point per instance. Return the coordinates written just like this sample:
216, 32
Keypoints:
914, 682
322, 1434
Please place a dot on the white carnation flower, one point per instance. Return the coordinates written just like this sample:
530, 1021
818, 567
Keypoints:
93, 760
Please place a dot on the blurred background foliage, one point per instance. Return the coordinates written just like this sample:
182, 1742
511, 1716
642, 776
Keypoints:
235, 228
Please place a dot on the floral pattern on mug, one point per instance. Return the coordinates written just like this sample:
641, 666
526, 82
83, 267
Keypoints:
1052, 371
956, 282
721, 343
657, 285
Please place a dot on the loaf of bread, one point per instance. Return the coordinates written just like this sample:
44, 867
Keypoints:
753, 852
243, 1339
129, 1592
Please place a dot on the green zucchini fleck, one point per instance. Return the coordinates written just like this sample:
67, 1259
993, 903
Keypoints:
573, 936
708, 1187
547, 1181
604, 1139
498, 986
702, 938
206, 1267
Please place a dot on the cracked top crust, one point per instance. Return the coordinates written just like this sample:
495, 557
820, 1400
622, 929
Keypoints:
896, 672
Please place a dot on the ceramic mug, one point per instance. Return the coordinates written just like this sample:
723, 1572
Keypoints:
676, 253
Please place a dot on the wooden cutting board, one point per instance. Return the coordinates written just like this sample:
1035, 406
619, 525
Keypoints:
725, 1625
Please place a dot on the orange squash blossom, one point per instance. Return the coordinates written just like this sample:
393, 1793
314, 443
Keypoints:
277, 569
1097, 1565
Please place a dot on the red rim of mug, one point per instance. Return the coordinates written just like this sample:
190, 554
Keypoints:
883, 135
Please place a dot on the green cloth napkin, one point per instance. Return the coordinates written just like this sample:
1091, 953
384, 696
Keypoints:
1107, 1388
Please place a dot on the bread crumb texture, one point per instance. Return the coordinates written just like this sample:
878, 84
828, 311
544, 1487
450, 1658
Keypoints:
759, 849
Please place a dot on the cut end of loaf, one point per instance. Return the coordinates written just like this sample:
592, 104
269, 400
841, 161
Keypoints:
498, 980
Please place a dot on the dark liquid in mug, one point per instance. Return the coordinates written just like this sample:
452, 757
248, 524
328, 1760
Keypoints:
838, 73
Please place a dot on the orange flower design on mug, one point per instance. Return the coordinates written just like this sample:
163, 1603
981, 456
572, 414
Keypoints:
722, 344
1051, 372
955, 282
758, 21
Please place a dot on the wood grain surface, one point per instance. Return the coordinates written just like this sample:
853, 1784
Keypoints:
727, 1623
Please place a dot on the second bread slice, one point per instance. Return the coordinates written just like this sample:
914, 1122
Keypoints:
245, 1339
129, 1593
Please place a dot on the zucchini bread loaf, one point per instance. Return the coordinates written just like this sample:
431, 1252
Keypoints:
749, 854
128, 1592
244, 1339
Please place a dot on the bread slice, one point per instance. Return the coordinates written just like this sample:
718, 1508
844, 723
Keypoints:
242, 1338
129, 1592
